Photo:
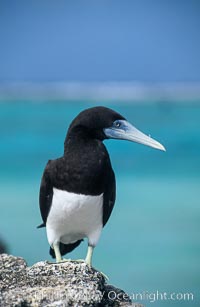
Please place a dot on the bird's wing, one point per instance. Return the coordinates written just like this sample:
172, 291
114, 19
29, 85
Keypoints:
109, 197
46, 194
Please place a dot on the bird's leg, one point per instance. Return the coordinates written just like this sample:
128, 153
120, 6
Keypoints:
57, 252
59, 258
88, 259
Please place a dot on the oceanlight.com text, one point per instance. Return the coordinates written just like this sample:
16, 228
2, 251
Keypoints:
152, 296
140, 297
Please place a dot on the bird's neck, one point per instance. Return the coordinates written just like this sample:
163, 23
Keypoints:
89, 164
80, 138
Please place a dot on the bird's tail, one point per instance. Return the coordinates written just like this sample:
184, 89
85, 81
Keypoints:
65, 248
41, 225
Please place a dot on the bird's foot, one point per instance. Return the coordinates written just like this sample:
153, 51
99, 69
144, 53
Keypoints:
59, 261
63, 260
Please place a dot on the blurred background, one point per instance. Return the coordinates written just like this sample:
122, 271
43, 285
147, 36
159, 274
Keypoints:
141, 58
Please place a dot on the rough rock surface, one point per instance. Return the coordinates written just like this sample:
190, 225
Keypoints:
65, 284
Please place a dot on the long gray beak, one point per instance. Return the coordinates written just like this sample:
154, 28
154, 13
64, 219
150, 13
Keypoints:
123, 130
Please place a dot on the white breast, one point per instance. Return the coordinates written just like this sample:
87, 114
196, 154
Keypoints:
73, 217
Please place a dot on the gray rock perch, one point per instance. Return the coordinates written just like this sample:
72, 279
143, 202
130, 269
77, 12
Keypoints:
58, 285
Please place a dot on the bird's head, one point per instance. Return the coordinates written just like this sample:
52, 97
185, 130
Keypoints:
103, 123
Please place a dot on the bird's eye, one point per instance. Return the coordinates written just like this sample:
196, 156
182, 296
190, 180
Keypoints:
116, 124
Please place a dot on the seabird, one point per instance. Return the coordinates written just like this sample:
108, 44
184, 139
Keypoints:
77, 192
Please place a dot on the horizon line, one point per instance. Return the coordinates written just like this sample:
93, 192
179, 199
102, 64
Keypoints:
106, 90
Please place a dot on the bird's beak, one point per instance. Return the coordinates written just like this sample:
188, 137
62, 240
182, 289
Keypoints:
125, 131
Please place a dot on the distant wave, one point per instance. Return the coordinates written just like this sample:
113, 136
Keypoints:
96, 91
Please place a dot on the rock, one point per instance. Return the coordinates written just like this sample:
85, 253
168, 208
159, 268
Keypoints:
46, 284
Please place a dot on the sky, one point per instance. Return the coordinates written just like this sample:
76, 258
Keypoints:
100, 40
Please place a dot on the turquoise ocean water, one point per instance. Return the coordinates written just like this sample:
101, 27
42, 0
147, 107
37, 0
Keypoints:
152, 241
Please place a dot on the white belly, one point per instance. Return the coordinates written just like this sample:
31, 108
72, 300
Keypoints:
73, 217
